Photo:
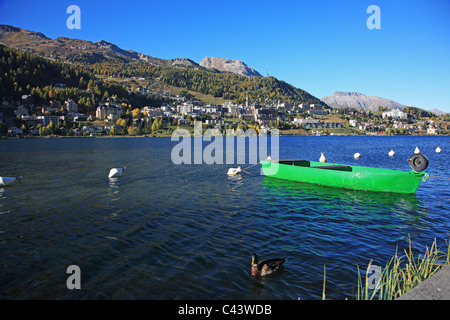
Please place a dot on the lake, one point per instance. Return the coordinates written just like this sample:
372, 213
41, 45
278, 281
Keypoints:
167, 231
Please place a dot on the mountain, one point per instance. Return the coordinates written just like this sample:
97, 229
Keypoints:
75, 50
358, 100
438, 112
227, 65
220, 78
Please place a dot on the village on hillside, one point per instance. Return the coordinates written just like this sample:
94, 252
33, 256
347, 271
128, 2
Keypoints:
62, 118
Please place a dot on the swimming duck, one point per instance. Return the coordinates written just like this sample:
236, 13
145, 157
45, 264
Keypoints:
116, 172
416, 151
391, 153
266, 266
438, 150
357, 155
322, 158
234, 171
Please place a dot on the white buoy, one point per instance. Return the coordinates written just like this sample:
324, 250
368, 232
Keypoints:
6, 181
416, 151
234, 171
438, 150
391, 153
357, 155
322, 158
269, 158
116, 172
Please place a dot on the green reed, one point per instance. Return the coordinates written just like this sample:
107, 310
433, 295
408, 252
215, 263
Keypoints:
403, 273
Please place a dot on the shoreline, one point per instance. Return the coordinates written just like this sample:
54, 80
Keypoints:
169, 136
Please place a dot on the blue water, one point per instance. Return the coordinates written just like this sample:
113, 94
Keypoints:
166, 231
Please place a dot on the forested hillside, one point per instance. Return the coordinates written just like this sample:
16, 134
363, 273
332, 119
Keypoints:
84, 59
226, 85
25, 73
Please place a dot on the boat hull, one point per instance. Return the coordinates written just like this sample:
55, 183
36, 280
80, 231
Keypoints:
344, 176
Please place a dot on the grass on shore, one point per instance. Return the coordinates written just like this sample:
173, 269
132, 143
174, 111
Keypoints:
403, 273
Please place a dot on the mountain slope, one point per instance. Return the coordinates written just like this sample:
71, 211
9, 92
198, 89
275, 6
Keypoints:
226, 65
75, 50
66, 49
26, 73
107, 59
359, 101
438, 112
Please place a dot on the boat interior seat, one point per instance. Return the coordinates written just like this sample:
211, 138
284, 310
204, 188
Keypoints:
295, 162
338, 167
305, 163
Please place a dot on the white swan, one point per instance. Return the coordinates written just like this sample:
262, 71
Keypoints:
234, 171
322, 158
357, 155
438, 150
391, 153
416, 151
116, 172
6, 181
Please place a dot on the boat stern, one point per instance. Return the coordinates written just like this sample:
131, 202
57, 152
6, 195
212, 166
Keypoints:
270, 167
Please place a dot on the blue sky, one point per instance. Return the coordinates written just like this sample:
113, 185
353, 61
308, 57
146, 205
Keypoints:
319, 46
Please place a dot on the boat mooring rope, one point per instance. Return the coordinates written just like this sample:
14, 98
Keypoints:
251, 166
439, 177
243, 170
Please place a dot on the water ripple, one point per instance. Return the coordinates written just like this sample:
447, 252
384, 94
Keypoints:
165, 231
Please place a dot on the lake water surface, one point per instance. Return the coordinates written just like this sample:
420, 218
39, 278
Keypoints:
166, 231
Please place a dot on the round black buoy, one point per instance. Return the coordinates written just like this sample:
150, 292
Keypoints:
418, 162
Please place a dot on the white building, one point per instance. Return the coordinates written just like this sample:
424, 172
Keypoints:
212, 109
231, 108
432, 129
353, 122
310, 123
186, 108
109, 111
306, 121
395, 114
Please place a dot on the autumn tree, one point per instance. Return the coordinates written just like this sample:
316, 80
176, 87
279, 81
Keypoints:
136, 113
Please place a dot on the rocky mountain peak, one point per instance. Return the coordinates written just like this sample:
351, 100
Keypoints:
358, 100
227, 65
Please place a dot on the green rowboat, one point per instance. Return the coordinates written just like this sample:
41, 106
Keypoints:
344, 176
